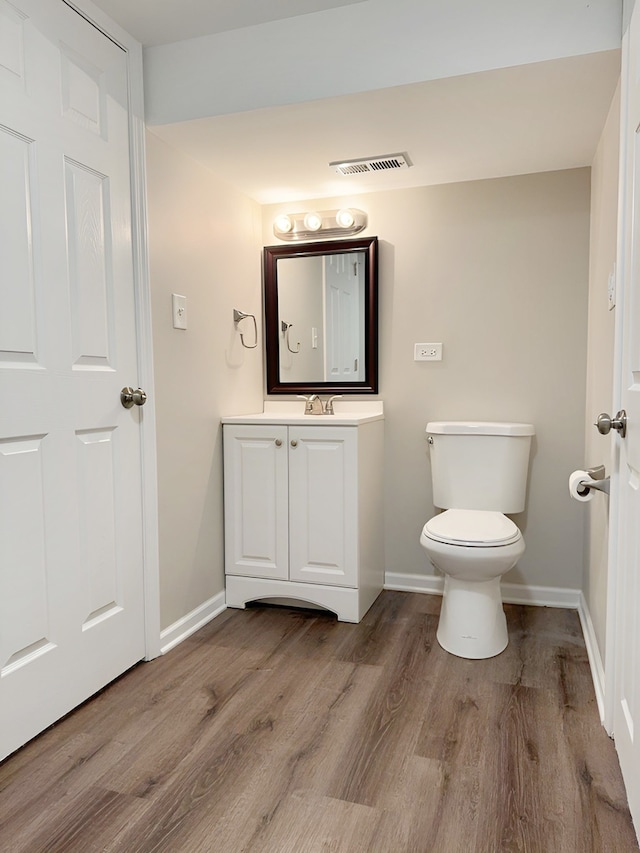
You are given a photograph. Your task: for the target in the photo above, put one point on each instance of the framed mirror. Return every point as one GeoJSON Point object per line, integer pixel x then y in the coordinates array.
{"type": "Point", "coordinates": [321, 317]}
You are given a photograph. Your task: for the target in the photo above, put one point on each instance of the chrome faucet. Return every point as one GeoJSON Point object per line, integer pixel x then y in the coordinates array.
{"type": "Point", "coordinates": [314, 405]}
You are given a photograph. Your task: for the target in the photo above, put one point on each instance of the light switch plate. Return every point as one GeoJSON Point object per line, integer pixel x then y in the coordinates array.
{"type": "Point", "coordinates": [179, 306]}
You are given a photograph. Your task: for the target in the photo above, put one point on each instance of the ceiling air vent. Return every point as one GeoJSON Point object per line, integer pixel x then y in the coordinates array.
{"type": "Point", "coordinates": [371, 164]}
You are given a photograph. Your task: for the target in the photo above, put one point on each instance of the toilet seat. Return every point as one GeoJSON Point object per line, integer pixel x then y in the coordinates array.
{"type": "Point", "coordinates": [472, 528]}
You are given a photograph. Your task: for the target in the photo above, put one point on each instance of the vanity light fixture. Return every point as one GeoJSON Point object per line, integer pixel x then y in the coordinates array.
{"type": "Point", "coordinates": [319, 224]}
{"type": "Point", "coordinates": [344, 218]}
{"type": "Point", "coordinates": [282, 224]}
{"type": "Point", "coordinates": [312, 221]}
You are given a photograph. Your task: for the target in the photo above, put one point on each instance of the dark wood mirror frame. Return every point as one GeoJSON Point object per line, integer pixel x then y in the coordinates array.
{"type": "Point", "coordinates": [271, 255]}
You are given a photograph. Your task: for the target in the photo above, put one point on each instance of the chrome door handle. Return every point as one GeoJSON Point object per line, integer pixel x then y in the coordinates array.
{"type": "Point", "coordinates": [606, 423]}
{"type": "Point", "coordinates": [130, 397]}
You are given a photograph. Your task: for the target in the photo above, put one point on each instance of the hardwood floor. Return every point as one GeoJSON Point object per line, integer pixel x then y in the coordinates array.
{"type": "Point", "coordinates": [284, 731]}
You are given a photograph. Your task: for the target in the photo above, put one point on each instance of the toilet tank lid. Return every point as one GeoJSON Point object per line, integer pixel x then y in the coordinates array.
{"type": "Point", "coordinates": [479, 428]}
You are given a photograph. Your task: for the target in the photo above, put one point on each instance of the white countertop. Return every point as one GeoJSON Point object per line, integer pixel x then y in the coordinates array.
{"type": "Point", "coordinates": [292, 412]}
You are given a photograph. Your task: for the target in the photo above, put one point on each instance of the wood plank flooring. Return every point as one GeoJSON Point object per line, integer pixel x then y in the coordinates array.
{"type": "Point", "coordinates": [284, 731]}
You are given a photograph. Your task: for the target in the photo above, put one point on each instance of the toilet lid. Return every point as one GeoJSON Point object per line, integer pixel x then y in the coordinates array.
{"type": "Point", "coordinates": [472, 527]}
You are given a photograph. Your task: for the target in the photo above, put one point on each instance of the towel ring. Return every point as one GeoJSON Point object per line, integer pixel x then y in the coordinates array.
{"type": "Point", "coordinates": [237, 317]}
{"type": "Point", "coordinates": [285, 328]}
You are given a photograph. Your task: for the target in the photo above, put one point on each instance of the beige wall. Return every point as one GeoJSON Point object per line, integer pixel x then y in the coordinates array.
{"type": "Point", "coordinates": [598, 449]}
{"type": "Point", "coordinates": [204, 242]}
{"type": "Point", "coordinates": [498, 271]}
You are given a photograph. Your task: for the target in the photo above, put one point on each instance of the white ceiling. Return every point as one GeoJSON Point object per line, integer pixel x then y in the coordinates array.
{"type": "Point", "coordinates": [532, 118]}
{"type": "Point", "coordinates": [154, 22]}
{"type": "Point", "coordinates": [542, 116]}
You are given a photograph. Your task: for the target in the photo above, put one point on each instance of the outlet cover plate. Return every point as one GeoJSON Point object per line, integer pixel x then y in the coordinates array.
{"type": "Point", "coordinates": [427, 352]}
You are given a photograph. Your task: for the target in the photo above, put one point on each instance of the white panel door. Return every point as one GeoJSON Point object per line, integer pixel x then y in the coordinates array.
{"type": "Point", "coordinates": [626, 724]}
{"type": "Point", "coordinates": [344, 317]}
{"type": "Point", "coordinates": [323, 500]}
{"type": "Point", "coordinates": [71, 580]}
{"type": "Point", "coordinates": [256, 501]}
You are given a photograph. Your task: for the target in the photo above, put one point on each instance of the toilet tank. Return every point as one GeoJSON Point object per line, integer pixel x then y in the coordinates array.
{"type": "Point", "coordinates": [479, 464]}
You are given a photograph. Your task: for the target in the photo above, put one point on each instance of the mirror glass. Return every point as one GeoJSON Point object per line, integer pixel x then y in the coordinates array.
{"type": "Point", "coordinates": [321, 317]}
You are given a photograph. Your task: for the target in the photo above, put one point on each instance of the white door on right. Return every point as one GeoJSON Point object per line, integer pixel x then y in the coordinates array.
{"type": "Point", "coordinates": [627, 623]}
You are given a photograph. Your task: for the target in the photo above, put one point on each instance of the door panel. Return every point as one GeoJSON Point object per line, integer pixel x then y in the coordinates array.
{"type": "Point", "coordinates": [71, 563]}
{"type": "Point", "coordinates": [90, 265]}
{"type": "Point", "coordinates": [256, 500]}
{"type": "Point", "coordinates": [23, 588]}
{"type": "Point", "coordinates": [323, 505]}
{"type": "Point", "coordinates": [96, 488]}
{"type": "Point", "coordinates": [17, 319]}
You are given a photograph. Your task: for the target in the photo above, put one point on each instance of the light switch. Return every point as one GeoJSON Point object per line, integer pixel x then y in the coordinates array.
{"type": "Point", "coordinates": [179, 305]}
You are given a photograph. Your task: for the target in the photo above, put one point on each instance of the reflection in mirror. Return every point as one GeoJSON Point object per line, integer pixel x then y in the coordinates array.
{"type": "Point", "coordinates": [321, 313]}
{"type": "Point", "coordinates": [321, 317]}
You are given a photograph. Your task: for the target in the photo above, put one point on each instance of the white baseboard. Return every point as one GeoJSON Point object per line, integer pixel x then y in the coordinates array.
{"type": "Point", "coordinates": [190, 623]}
{"type": "Point", "coordinates": [512, 593]}
{"type": "Point", "coordinates": [540, 596]}
{"type": "Point", "coordinates": [593, 653]}
{"type": "Point", "coordinates": [433, 584]}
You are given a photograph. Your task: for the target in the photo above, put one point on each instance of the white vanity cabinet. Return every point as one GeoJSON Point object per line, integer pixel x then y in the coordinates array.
{"type": "Point", "coordinates": [303, 513]}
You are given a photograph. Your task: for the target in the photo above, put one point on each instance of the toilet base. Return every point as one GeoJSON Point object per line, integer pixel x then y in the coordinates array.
{"type": "Point", "coordinates": [472, 622]}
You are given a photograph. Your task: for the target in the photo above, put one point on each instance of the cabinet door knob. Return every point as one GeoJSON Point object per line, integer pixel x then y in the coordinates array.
{"type": "Point", "coordinates": [294, 443]}
{"type": "Point", "coordinates": [278, 442]}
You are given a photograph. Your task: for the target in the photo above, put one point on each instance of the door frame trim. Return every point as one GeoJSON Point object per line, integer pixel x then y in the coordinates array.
{"type": "Point", "coordinates": [150, 548]}
{"type": "Point", "coordinates": [615, 534]}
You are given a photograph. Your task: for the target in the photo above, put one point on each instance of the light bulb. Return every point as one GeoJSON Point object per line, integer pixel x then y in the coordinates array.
{"type": "Point", "coordinates": [313, 221]}
{"type": "Point", "coordinates": [345, 218]}
{"type": "Point", "coordinates": [283, 224]}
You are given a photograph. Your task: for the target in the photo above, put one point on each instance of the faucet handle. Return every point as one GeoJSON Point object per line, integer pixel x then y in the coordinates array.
{"type": "Point", "coordinates": [308, 402]}
{"type": "Point", "coordinates": [328, 406]}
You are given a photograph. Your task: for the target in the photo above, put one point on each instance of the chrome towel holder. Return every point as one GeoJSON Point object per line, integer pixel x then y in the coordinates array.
{"type": "Point", "coordinates": [237, 317]}
{"type": "Point", "coordinates": [285, 330]}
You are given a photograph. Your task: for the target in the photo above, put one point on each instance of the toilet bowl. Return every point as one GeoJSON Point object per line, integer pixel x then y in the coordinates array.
{"type": "Point", "coordinates": [473, 549]}
{"type": "Point", "coordinates": [479, 473]}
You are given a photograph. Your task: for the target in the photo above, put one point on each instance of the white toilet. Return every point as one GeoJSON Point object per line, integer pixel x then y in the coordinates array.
{"type": "Point", "coordinates": [479, 471]}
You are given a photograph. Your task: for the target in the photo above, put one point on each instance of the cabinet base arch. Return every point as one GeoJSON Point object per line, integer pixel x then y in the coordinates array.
{"type": "Point", "coordinates": [348, 604]}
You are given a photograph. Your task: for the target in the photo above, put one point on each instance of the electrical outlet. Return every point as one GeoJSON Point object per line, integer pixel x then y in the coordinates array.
{"type": "Point", "coordinates": [427, 352]}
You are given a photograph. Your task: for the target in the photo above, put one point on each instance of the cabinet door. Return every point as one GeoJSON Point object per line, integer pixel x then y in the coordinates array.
{"type": "Point", "coordinates": [323, 512]}
{"type": "Point", "coordinates": [256, 501]}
